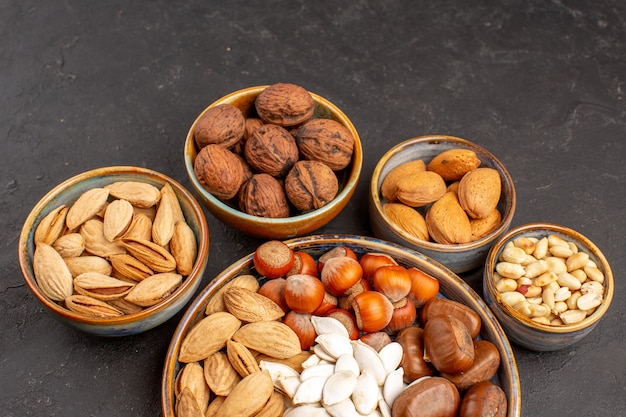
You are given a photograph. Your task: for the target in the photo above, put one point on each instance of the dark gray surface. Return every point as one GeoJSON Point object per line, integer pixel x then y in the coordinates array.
{"type": "Point", "coordinates": [541, 84]}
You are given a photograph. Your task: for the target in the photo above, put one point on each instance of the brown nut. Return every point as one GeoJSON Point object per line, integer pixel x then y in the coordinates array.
{"type": "Point", "coordinates": [413, 363]}
{"type": "Point", "coordinates": [219, 171]}
{"type": "Point", "coordinates": [263, 196]}
{"type": "Point", "coordinates": [389, 185]}
{"type": "Point", "coordinates": [311, 185]}
{"type": "Point", "coordinates": [454, 163]}
{"type": "Point", "coordinates": [327, 141]}
{"type": "Point", "coordinates": [444, 307]}
{"type": "Point", "coordinates": [428, 397]}
{"type": "Point", "coordinates": [485, 366]}
{"type": "Point", "coordinates": [221, 125]}
{"type": "Point", "coordinates": [448, 344]}
{"type": "Point", "coordinates": [420, 189]}
{"type": "Point", "coordinates": [447, 222]}
{"type": "Point", "coordinates": [479, 192]}
{"type": "Point", "coordinates": [284, 104]}
{"type": "Point", "coordinates": [484, 399]}
{"type": "Point", "coordinates": [271, 149]}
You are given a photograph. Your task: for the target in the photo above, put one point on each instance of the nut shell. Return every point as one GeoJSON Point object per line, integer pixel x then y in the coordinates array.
{"type": "Point", "coordinates": [271, 149]}
{"type": "Point", "coordinates": [447, 222]}
{"type": "Point", "coordinates": [454, 163]}
{"type": "Point", "coordinates": [264, 196]}
{"type": "Point", "coordinates": [284, 104]}
{"type": "Point", "coordinates": [479, 192]}
{"type": "Point", "coordinates": [327, 141]}
{"type": "Point", "coordinates": [219, 171]}
{"type": "Point", "coordinates": [311, 185]}
{"type": "Point", "coordinates": [222, 125]}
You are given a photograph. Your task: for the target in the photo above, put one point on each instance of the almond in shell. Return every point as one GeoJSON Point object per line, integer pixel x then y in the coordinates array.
{"type": "Point", "coordinates": [454, 163]}
{"type": "Point", "coordinates": [420, 189]}
{"type": "Point", "coordinates": [240, 357]}
{"type": "Point", "coordinates": [139, 194]}
{"type": "Point", "coordinates": [447, 222]}
{"type": "Point", "coordinates": [101, 287]}
{"type": "Point", "coordinates": [184, 247]}
{"type": "Point", "coordinates": [130, 267]}
{"type": "Point", "coordinates": [95, 242]}
{"type": "Point", "coordinates": [249, 396]}
{"type": "Point", "coordinates": [187, 405]}
{"type": "Point", "coordinates": [140, 227]}
{"type": "Point", "coordinates": [69, 245]}
{"type": "Point", "coordinates": [479, 192]}
{"type": "Point", "coordinates": [51, 273]}
{"type": "Point", "coordinates": [117, 217]}
{"type": "Point", "coordinates": [92, 307]}
{"type": "Point", "coordinates": [51, 227]}
{"type": "Point", "coordinates": [90, 263]}
{"type": "Point", "coordinates": [220, 374]}
{"type": "Point", "coordinates": [482, 227]}
{"type": "Point", "coordinates": [250, 306]}
{"type": "Point", "coordinates": [152, 255]}
{"type": "Point", "coordinates": [216, 303]}
{"type": "Point", "coordinates": [154, 289]}
{"type": "Point", "coordinates": [389, 185]}
{"type": "Point", "coordinates": [208, 336]}
{"type": "Point", "coordinates": [408, 219]}
{"type": "Point", "coordinates": [272, 338]}
{"type": "Point", "coordinates": [86, 206]}
{"type": "Point", "coordinates": [192, 377]}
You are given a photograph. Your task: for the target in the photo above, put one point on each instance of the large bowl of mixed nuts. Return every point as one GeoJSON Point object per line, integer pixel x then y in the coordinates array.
{"type": "Point", "coordinates": [115, 251]}
{"type": "Point", "coordinates": [273, 161]}
{"type": "Point", "coordinates": [338, 325]}
{"type": "Point", "coordinates": [548, 285]}
{"type": "Point", "coordinates": [444, 196]}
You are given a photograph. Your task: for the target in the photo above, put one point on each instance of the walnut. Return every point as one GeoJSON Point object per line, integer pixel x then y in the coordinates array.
{"type": "Point", "coordinates": [311, 185]}
{"type": "Point", "coordinates": [223, 124]}
{"type": "Point", "coordinates": [264, 196]}
{"type": "Point", "coordinates": [327, 141]}
{"type": "Point", "coordinates": [271, 149]}
{"type": "Point", "coordinates": [252, 123]}
{"type": "Point", "coordinates": [285, 104]}
{"type": "Point", "coordinates": [219, 171]}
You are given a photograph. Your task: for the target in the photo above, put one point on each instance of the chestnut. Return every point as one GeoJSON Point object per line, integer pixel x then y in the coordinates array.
{"type": "Point", "coordinates": [448, 344]}
{"type": "Point", "coordinates": [484, 399]}
{"type": "Point", "coordinates": [484, 367]}
{"type": "Point", "coordinates": [413, 363]}
{"type": "Point", "coordinates": [443, 306]}
{"type": "Point", "coordinates": [427, 397]}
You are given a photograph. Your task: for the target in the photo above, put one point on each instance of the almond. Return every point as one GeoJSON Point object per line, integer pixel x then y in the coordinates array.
{"type": "Point", "coordinates": [208, 336]}
{"type": "Point", "coordinates": [420, 189]}
{"type": "Point", "coordinates": [216, 303]}
{"type": "Point", "coordinates": [408, 219]}
{"type": "Point", "coordinates": [389, 185]}
{"type": "Point", "coordinates": [454, 163]}
{"type": "Point", "coordinates": [479, 192]}
{"type": "Point", "coordinates": [272, 338]}
{"type": "Point", "coordinates": [482, 227]}
{"type": "Point", "coordinates": [447, 222]}
{"type": "Point", "coordinates": [250, 306]}
{"type": "Point", "coordinates": [249, 396]}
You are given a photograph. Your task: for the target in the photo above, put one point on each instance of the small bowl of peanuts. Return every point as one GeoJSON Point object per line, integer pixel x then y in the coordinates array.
{"type": "Point", "coordinates": [547, 284]}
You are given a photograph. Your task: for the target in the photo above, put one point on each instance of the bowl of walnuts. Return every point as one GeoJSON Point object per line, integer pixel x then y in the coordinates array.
{"type": "Point", "coordinates": [273, 161]}
{"type": "Point", "coordinates": [443, 196]}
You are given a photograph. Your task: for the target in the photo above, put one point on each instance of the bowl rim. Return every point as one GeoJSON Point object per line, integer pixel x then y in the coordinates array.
{"type": "Point", "coordinates": [189, 318]}
{"type": "Point", "coordinates": [34, 217]}
{"type": "Point", "coordinates": [342, 196]}
{"type": "Point", "coordinates": [507, 216]}
{"type": "Point", "coordinates": [580, 240]}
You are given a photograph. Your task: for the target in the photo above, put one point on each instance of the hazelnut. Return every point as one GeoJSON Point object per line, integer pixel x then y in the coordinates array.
{"type": "Point", "coordinates": [263, 196]}
{"type": "Point", "coordinates": [285, 104]}
{"type": "Point", "coordinates": [311, 185]}
{"type": "Point", "coordinates": [223, 125]}
{"type": "Point", "coordinates": [326, 140]}
{"type": "Point", "coordinates": [271, 149]}
{"type": "Point", "coordinates": [219, 171]}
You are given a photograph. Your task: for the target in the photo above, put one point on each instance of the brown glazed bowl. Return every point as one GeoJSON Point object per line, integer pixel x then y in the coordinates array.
{"type": "Point", "coordinates": [297, 224]}
{"type": "Point", "coordinates": [66, 193]}
{"type": "Point", "coordinates": [458, 257]}
{"type": "Point", "coordinates": [531, 334]}
{"type": "Point", "coordinates": [451, 287]}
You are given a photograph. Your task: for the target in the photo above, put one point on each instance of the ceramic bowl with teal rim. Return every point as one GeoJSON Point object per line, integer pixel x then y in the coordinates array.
{"type": "Point", "coordinates": [451, 286]}
{"type": "Point", "coordinates": [299, 223]}
{"type": "Point", "coordinates": [457, 257]}
{"type": "Point", "coordinates": [66, 193]}
{"type": "Point", "coordinates": [540, 335]}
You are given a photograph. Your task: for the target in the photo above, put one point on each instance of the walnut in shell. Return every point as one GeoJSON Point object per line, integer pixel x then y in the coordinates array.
{"type": "Point", "coordinates": [285, 104]}
{"type": "Point", "coordinates": [311, 185]}
{"type": "Point", "coordinates": [327, 141]}
{"type": "Point", "coordinates": [263, 195]}
{"type": "Point", "coordinates": [219, 171]}
{"type": "Point", "coordinates": [223, 125]}
{"type": "Point", "coordinates": [271, 149]}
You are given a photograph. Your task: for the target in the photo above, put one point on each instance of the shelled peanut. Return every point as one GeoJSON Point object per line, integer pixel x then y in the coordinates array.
{"type": "Point", "coordinates": [339, 336]}
{"type": "Point", "coordinates": [115, 250]}
{"type": "Point", "coordinates": [549, 279]}
{"type": "Point", "coordinates": [450, 199]}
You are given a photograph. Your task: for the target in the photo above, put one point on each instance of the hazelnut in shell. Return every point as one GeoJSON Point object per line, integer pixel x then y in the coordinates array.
{"type": "Point", "coordinates": [311, 185]}
{"type": "Point", "coordinates": [285, 104]}
{"type": "Point", "coordinates": [222, 125]}
{"type": "Point", "coordinates": [219, 171]}
{"type": "Point", "coordinates": [327, 141]}
{"type": "Point", "coordinates": [271, 149]}
{"type": "Point", "coordinates": [263, 195]}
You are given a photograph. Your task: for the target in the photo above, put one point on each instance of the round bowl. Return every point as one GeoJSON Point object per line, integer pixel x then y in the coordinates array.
{"type": "Point", "coordinates": [528, 333]}
{"type": "Point", "coordinates": [297, 224]}
{"type": "Point", "coordinates": [458, 257]}
{"type": "Point", "coordinates": [451, 286]}
{"type": "Point", "coordinates": [150, 317]}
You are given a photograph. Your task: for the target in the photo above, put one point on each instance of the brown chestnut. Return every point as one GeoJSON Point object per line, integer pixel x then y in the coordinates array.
{"type": "Point", "coordinates": [448, 344]}
{"type": "Point", "coordinates": [485, 399]}
{"type": "Point", "coordinates": [484, 367]}
{"type": "Point", "coordinates": [443, 306]}
{"type": "Point", "coordinates": [413, 363]}
{"type": "Point", "coordinates": [427, 397]}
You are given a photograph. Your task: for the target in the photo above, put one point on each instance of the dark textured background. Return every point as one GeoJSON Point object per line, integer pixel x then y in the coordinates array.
{"type": "Point", "coordinates": [541, 84]}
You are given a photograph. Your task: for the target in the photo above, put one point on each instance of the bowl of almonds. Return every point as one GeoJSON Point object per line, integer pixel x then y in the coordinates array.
{"type": "Point", "coordinates": [115, 251]}
{"type": "Point", "coordinates": [444, 196]}
{"type": "Point", "coordinates": [548, 285]}
{"type": "Point", "coordinates": [338, 325]}
{"type": "Point", "coordinates": [273, 161]}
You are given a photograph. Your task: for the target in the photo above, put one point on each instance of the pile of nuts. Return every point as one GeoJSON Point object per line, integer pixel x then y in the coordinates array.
{"type": "Point", "coordinates": [549, 280]}
{"type": "Point", "coordinates": [276, 160]}
{"type": "Point", "coordinates": [115, 250]}
{"type": "Point", "coordinates": [450, 199]}
{"type": "Point", "coordinates": [340, 336]}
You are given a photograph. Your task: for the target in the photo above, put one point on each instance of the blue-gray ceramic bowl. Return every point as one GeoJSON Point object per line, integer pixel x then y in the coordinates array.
{"type": "Point", "coordinates": [520, 329]}
{"type": "Point", "coordinates": [150, 317]}
{"type": "Point", "coordinates": [459, 257]}
{"type": "Point", "coordinates": [451, 286]}
{"type": "Point", "coordinates": [298, 224]}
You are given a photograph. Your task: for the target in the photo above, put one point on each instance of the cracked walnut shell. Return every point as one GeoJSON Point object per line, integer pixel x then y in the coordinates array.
{"type": "Point", "coordinates": [311, 185]}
